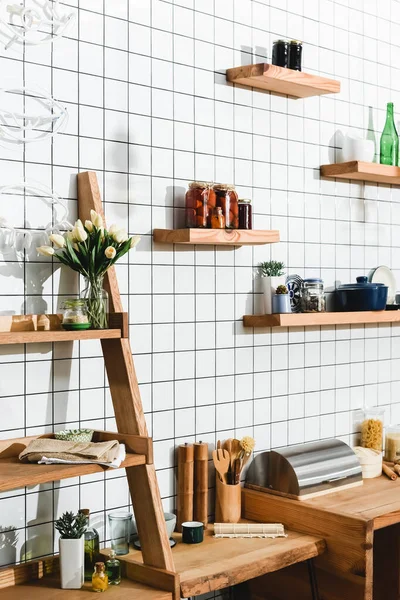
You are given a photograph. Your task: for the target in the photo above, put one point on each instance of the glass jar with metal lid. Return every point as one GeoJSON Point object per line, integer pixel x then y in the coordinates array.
{"type": "Point", "coordinates": [199, 204]}
{"type": "Point", "coordinates": [245, 214]}
{"type": "Point", "coordinates": [280, 53]}
{"type": "Point", "coordinates": [295, 52]}
{"type": "Point", "coordinates": [227, 199]}
{"type": "Point", "coordinates": [312, 295]}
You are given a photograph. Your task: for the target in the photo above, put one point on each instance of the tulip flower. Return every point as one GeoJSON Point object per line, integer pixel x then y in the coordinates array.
{"type": "Point", "coordinates": [45, 250]}
{"type": "Point", "coordinates": [70, 236]}
{"type": "Point", "coordinates": [110, 252]}
{"type": "Point", "coordinates": [89, 225]}
{"type": "Point", "coordinates": [58, 240]}
{"type": "Point", "coordinates": [135, 240]}
{"type": "Point", "coordinates": [120, 236]}
{"type": "Point", "coordinates": [113, 229]}
{"type": "Point", "coordinates": [96, 219]}
{"type": "Point", "coordinates": [79, 234]}
{"type": "Point", "coordinates": [78, 223]}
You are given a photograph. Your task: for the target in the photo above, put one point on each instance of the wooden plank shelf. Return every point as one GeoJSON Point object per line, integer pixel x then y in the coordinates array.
{"type": "Point", "coordinates": [362, 171]}
{"type": "Point", "coordinates": [48, 588]}
{"type": "Point", "coordinates": [219, 563]}
{"type": "Point", "coordinates": [34, 329]}
{"type": "Point", "coordinates": [216, 237]}
{"type": "Point", "coordinates": [325, 318]}
{"type": "Point", "coordinates": [16, 474]}
{"type": "Point", "coordinates": [296, 84]}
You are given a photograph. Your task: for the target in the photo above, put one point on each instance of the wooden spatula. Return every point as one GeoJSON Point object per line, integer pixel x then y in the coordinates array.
{"type": "Point", "coordinates": [221, 462]}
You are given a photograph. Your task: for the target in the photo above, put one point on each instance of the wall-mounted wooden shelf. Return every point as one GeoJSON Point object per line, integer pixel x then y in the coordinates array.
{"type": "Point", "coordinates": [216, 237]}
{"type": "Point", "coordinates": [326, 318]}
{"type": "Point", "coordinates": [362, 171]}
{"type": "Point", "coordinates": [282, 81]}
{"type": "Point", "coordinates": [34, 329]}
{"type": "Point", "coordinates": [15, 474]}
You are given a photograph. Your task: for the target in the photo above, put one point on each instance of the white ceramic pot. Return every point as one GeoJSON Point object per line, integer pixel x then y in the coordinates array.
{"type": "Point", "coordinates": [357, 148]}
{"type": "Point", "coordinates": [269, 285]}
{"type": "Point", "coordinates": [72, 553]}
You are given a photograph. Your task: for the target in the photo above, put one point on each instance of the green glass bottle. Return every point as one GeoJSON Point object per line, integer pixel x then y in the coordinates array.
{"type": "Point", "coordinates": [92, 547]}
{"type": "Point", "coordinates": [389, 140]}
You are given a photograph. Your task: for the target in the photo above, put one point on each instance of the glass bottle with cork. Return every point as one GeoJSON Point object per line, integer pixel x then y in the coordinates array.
{"type": "Point", "coordinates": [389, 146]}
{"type": "Point", "coordinates": [92, 547]}
{"type": "Point", "coordinates": [113, 567]}
{"type": "Point", "coordinates": [99, 578]}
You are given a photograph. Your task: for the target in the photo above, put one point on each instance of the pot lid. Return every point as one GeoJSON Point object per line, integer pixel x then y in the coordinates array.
{"type": "Point", "coordinates": [362, 283]}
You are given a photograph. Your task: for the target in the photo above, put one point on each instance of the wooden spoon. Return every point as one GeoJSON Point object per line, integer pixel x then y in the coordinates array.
{"type": "Point", "coordinates": [235, 452]}
{"type": "Point", "coordinates": [221, 462]}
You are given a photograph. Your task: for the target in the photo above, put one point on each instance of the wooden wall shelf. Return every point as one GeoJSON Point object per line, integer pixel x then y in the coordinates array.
{"type": "Point", "coordinates": [216, 237]}
{"type": "Point", "coordinates": [16, 474]}
{"type": "Point", "coordinates": [362, 171]}
{"type": "Point", "coordinates": [34, 329]}
{"type": "Point", "coordinates": [282, 81]}
{"type": "Point", "coordinates": [326, 318]}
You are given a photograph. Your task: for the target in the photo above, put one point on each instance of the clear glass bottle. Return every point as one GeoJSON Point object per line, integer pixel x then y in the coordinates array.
{"type": "Point", "coordinates": [113, 569]}
{"type": "Point", "coordinates": [389, 140]}
{"type": "Point", "coordinates": [312, 295]}
{"type": "Point", "coordinates": [92, 547]}
{"type": "Point", "coordinates": [99, 578]}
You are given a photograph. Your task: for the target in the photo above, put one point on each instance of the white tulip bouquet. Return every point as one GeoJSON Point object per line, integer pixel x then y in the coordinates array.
{"type": "Point", "coordinates": [91, 250]}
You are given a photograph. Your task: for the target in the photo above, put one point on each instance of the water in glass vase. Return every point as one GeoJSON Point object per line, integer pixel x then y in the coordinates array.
{"type": "Point", "coordinates": [97, 302]}
{"type": "Point", "coordinates": [389, 140]}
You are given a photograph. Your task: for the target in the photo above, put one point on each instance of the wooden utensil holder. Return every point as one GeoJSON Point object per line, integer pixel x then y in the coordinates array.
{"type": "Point", "coordinates": [227, 502]}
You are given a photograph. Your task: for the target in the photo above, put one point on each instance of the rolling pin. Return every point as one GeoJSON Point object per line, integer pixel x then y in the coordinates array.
{"type": "Point", "coordinates": [201, 482]}
{"type": "Point", "coordinates": [185, 485]}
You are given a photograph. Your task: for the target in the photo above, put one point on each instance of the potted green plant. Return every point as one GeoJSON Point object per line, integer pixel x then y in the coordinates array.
{"type": "Point", "coordinates": [71, 545]}
{"type": "Point", "coordinates": [272, 275]}
{"type": "Point", "coordinates": [91, 250]}
{"type": "Point", "coordinates": [281, 300]}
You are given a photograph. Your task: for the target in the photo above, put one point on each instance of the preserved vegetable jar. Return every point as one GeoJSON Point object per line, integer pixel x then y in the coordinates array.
{"type": "Point", "coordinates": [227, 199]}
{"type": "Point", "coordinates": [245, 214]}
{"type": "Point", "coordinates": [312, 295]}
{"type": "Point", "coordinates": [199, 204]}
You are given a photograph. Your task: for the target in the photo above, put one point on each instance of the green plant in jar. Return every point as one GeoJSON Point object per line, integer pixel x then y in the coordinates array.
{"type": "Point", "coordinates": [281, 289]}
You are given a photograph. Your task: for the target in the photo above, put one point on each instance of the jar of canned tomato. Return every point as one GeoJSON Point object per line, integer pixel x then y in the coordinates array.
{"type": "Point", "coordinates": [200, 201]}
{"type": "Point", "coordinates": [227, 199]}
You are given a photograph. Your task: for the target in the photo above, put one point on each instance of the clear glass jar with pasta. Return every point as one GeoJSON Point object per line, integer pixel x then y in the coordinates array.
{"type": "Point", "coordinates": [372, 428]}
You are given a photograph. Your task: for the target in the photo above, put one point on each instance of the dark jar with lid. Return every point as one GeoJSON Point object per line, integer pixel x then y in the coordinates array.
{"type": "Point", "coordinates": [200, 202]}
{"type": "Point", "coordinates": [227, 199]}
{"type": "Point", "coordinates": [245, 214]}
{"type": "Point", "coordinates": [280, 53]}
{"type": "Point", "coordinates": [295, 52]}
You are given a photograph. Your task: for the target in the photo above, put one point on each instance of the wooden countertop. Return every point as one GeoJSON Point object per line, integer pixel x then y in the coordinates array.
{"type": "Point", "coordinates": [218, 563]}
{"type": "Point", "coordinates": [377, 500]}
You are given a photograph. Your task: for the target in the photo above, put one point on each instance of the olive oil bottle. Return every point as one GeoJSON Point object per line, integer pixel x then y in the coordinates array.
{"type": "Point", "coordinates": [92, 547]}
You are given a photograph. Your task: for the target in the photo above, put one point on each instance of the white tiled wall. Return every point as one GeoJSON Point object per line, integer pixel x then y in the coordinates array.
{"type": "Point", "coordinates": [149, 110]}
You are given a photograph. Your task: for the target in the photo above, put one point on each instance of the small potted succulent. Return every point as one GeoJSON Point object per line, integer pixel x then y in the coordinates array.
{"type": "Point", "coordinates": [72, 549]}
{"type": "Point", "coordinates": [272, 275]}
{"type": "Point", "coordinates": [281, 300]}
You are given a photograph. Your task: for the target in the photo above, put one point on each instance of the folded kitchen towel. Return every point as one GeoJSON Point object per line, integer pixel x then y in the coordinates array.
{"type": "Point", "coordinates": [115, 464]}
{"type": "Point", "coordinates": [89, 452]}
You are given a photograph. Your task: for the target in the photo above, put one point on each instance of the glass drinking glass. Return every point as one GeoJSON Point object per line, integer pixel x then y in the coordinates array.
{"type": "Point", "coordinates": [120, 530]}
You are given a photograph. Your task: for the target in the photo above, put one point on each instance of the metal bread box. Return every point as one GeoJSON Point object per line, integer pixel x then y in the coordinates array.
{"type": "Point", "coordinates": [306, 470]}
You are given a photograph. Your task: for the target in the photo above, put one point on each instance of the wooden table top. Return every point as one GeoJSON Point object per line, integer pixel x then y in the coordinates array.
{"type": "Point", "coordinates": [218, 563]}
{"type": "Point", "coordinates": [377, 500]}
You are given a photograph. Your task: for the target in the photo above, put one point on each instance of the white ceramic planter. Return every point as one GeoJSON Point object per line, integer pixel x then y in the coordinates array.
{"type": "Point", "coordinates": [269, 285]}
{"type": "Point", "coordinates": [72, 563]}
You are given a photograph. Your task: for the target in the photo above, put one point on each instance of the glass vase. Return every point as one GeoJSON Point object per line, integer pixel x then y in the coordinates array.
{"type": "Point", "coordinates": [97, 302]}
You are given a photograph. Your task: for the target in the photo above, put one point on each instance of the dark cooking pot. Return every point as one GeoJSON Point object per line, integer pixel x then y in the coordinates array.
{"type": "Point", "coordinates": [361, 296]}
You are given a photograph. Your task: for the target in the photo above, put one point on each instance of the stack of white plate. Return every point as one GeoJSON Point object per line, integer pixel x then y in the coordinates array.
{"type": "Point", "coordinates": [370, 461]}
